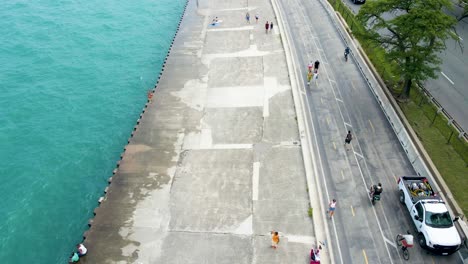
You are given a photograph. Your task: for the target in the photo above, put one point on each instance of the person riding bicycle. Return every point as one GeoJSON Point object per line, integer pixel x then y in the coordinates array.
{"type": "Point", "coordinates": [347, 51]}
{"type": "Point", "coordinates": [407, 241]}
{"type": "Point", "coordinates": [376, 190]}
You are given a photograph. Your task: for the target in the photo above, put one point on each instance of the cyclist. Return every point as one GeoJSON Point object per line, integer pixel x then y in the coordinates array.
{"type": "Point", "coordinates": [376, 190]}
{"type": "Point", "coordinates": [346, 52]}
{"type": "Point", "coordinates": [407, 241]}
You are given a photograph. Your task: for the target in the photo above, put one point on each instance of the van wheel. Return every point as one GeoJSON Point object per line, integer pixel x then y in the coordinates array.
{"type": "Point", "coordinates": [402, 197]}
{"type": "Point", "coordinates": [422, 240]}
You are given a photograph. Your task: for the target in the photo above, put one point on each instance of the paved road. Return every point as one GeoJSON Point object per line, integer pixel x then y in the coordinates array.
{"type": "Point", "coordinates": [341, 101]}
{"type": "Point", "coordinates": [450, 87]}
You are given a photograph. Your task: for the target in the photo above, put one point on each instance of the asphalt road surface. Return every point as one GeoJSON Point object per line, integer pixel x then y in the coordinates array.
{"type": "Point", "coordinates": [340, 101]}
{"type": "Point", "coordinates": [449, 88]}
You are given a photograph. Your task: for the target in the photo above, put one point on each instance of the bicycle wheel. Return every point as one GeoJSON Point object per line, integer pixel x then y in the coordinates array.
{"type": "Point", "coordinates": [405, 254]}
{"type": "Point", "coordinates": [398, 240]}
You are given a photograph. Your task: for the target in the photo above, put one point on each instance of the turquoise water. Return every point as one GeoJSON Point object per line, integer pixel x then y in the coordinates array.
{"type": "Point", "coordinates": [73, 80]}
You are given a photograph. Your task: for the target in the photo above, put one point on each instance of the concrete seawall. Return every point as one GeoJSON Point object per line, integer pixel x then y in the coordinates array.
{"type": "Point", "coordinates": [214, 163]}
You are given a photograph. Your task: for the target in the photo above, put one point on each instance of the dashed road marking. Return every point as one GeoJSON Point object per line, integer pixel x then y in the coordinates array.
{"type": "Point", "coordinates": [446, 77]}
{"type": "Point", "coordinates": [352, 210]}
{"type": "Point", "coordinates": [372, 126]}
{"type": "Point", "coordinates": [365, 256]}
{"type": "Point", "coordinates": [334, 145]}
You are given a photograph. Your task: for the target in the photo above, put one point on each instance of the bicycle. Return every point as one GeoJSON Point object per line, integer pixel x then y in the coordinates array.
{"type": "Point", "coordinates": [405, 244]}
{"type": "Point", "coordinates": [346, 53]}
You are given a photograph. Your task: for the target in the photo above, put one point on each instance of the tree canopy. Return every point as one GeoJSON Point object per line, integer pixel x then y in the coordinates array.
{"type": "Point", "coordinates": [413, 33]}
{"type": "Point", "coordinates": [464, 15]}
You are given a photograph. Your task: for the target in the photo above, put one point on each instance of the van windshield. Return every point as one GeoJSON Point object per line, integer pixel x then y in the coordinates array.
{"type": "Point", "coordinates": [438, 220]}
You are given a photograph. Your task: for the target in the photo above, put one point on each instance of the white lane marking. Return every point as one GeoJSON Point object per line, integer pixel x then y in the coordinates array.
{"type": "Point", "coordinates": [446, 77]}
{"type": "Point", "coordinates": [390, 242]}
{"type": "Point", "coordinates": [460, 255]}
{"type": "Point", "coordinates": [339, 100]}
{"type": "Point", "coordinates": [255, 180]}
{"type": "Point", "coordinates": [347, 124]}
{"type": "Point", "coordinates": [359, 155]}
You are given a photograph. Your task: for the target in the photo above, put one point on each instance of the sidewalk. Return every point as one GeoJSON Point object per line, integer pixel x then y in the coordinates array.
{"type": "Point", "coordinates": [215, 163]}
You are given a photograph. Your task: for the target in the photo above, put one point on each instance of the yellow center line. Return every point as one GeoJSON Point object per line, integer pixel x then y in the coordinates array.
{"type": "Point", "coordinates": [334, 145]}
{"type": "Point", "coordinates": [365, 256]}
{"type": "Point", "coordinates": [432, 258]}
{"type": "Point", "coordinates": [352, 210]}
{"type": "Point", "coordinates": [372, 126]}
{"type": "Point", "coordinates": [396, 179]}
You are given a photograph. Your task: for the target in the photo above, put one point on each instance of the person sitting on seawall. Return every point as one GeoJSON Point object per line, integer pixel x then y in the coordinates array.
{"type": "Point", "coordinates": [74, 258]}
{"type": "Point", "coordinates": [82, 250]}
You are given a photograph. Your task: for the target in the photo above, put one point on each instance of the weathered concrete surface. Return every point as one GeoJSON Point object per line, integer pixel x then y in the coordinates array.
{"type": "Point", "coordinates": [215, 163]}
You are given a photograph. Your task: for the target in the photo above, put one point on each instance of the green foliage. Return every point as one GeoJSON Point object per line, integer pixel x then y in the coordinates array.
{"type": "Point", "coordinates": [464, 15]}
{"type": "Point", "coordinates": [310, 212]}
{"type": "Point", "coordinates": [448, 160]}
{"type": "Point", "coordinates": [412, 37]}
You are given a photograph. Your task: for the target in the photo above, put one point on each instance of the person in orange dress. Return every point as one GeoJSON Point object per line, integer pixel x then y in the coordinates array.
{"type": "Point", "coordinates": [274, 239]}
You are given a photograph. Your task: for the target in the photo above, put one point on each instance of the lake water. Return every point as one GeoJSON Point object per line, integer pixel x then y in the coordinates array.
{"type": "Point", "coordinates": [74, 76]}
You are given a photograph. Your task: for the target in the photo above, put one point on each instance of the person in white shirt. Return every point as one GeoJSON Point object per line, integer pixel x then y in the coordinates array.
{"type": "Point", "coordinates": [82, 250]}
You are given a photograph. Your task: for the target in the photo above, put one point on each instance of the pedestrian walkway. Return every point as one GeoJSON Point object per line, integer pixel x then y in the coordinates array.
{"type": "Point", "coordinates": [215, 164]}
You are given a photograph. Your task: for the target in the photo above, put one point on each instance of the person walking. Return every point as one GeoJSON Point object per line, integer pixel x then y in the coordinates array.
{"type": "Point", "coordinates": [247, 17]}
{"type": "Point", "coordinates": [309, 77]}
{"type": "Point", "coordinates": [271, 26]}
{"type": "Point", "coordinates": [274, 239]}
{"type": "Point", "coordinates": [316, 65]}
{"type": "Point", "coordinates": [331, 208]}
{"type": "Point", "coordinates": [256, 18]}
{"type": "Point", "coordinates": [266, 27]}
{"type": "Point", "coordinates": [315, 77]}
{"type": "Point", "coordinates": [348, 139]}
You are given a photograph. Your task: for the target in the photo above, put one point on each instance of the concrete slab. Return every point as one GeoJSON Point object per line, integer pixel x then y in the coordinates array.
{"type": "Point", "coordinates": [214, 164]}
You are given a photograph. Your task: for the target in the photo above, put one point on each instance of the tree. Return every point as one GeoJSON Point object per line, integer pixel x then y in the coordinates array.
{"type": "Point", "coordinates": [464, 15]}
{"type": "Point", "coordinates": [413, 36]}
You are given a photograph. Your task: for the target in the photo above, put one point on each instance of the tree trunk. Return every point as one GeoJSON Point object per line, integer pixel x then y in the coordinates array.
{"type": "Point", "coordinates": [406, 88]}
